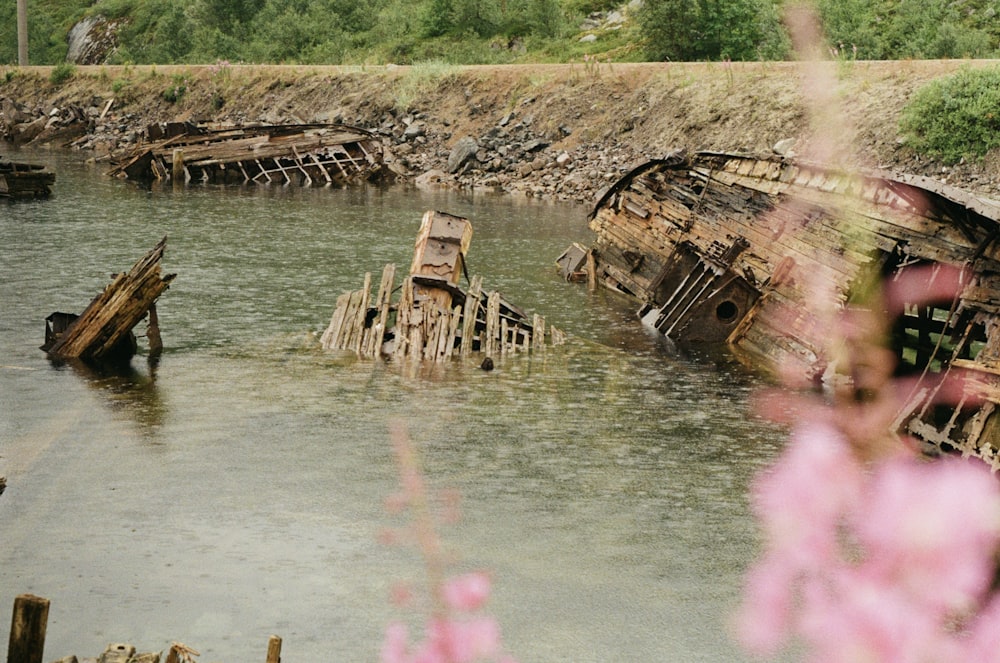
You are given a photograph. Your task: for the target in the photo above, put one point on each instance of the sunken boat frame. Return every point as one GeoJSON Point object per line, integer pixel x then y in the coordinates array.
{"type": "Point", "coordinates": [730, 248]}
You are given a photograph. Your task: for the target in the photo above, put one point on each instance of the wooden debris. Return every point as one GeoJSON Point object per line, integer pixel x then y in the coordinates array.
{"type": "Point", "coordinates": [719, 247]}
{"type": "Point", "coordinates": [434, 318]}
{"type": "Point", "coordinates": [27, 630]}
{"type": "Point", "coordinates": [103, 332]}
{"type": "Point", "coordinates": [181, 653]}
{"type": "Point", "coordinates": [572, 263]}
{"type": "Point", "coordinates": [300, 154]}
{"type": "Point", "coordinates": [24, 180]}
{"type": "Point", "coordinates": [273, 649]}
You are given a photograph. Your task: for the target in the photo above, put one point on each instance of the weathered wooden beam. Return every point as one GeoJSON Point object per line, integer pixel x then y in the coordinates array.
{"type": "Point", "coordinates": [27, 629]}
{"type": "Point", "coordinates": [111, 316]}
{"type": "Point", "coordinates": [273, 650]}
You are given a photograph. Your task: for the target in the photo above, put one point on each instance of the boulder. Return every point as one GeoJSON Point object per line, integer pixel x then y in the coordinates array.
{"type": "Point", "coordinates": [91, 40]}
{"type": "Point", "coordinates": [462, 153]}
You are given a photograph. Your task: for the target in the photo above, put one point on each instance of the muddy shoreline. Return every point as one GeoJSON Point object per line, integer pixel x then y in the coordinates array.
{"type": "Point", "coordinates": [558, 132]}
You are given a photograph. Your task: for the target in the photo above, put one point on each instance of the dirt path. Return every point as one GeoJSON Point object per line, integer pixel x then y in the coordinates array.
{"type": "Point", "coordinates": [561, 131]}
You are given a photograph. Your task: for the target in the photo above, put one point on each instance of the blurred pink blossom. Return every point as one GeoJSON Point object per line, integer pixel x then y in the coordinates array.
{"type": "Point", "coordinates": [881, 563]}
{"type": "Point", "coordinates": [466, 592]}
{"type": "Point", "coordinates": [451, 635]}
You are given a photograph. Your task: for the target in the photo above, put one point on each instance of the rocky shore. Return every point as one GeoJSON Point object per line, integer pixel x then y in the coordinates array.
{"type": "Point", "coordinates": [558, 132]}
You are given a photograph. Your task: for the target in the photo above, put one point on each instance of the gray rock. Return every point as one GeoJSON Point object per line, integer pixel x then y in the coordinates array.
{"type": "Point", "coordinates": [414, 130]}
{"type": "Point", "coordinates": [432, 179]}
{"type": "Point", "coordinates": [784, 147]}
{"type": "Point", "coordinates": [462, 153]}
{"type": "Point", "coordinates": [535, 145]}
{"type": "Point", "coordinates": [91, 40]}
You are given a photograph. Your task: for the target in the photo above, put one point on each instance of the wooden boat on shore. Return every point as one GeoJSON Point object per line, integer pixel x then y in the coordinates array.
{"type": "Point", "coordinates": [25, 180]}
{"type": "Point", "coordinates": [299, 154]}
{"type": "Point", "coordinates": [732, 248]}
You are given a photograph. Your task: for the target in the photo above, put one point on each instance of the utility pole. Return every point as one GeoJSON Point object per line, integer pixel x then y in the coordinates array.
{"type": "Point", "coordinates": [22, 33]}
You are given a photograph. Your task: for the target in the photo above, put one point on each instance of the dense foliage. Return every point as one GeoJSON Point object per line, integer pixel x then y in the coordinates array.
{"type": "Point", "coordinates": [955, 117]}
{"type": "Point", "coordinates": [497, 31]}
{"type": "Point", "coordinates": [685, 30]}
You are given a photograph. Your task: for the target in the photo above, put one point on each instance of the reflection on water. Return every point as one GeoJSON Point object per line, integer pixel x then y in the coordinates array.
{"type": "Point", "coordinates": [235, 489]}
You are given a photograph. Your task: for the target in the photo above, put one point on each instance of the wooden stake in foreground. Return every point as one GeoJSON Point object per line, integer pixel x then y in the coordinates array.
{"type": "Point", "coordinates": [27, 629]}
{"type": "Point", "coordinates": [274, 649]}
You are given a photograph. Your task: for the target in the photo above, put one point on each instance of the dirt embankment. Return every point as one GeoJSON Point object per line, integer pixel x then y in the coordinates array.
{"type": "Point", "coordinates": [553, 131]}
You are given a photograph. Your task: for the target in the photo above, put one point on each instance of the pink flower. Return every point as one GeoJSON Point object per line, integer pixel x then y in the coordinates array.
{"type": "Point", "coordinates": [764, 618]}
{"type": "Point", "coordinates": [395, 644]}
{"type": "Point", "coordinates": [466, 592]}
{"type": "Point", "coordinates": [464, 641]}
{"type": "Point", "coordinates": [805, 496]}
{"type": "Point", "coordinates": [932, 529]}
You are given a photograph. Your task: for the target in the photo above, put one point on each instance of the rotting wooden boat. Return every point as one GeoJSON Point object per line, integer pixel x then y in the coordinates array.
{"type": "Point", "coordinates": [722, 247]}
{"type": "Point", "coordinates": [25, 180]}
{"type": "Point", "coordinates": [103, 332]}
{"type": "Point", "coordinates": [434, 318]}
{"type": "Point", "coordinates": [297, 154]}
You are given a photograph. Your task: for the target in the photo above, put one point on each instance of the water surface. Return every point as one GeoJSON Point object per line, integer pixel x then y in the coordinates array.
{"type": "Point", "coordinates": [237, 488]}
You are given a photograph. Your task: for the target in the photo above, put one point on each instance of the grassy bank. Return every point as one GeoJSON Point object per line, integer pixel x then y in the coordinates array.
{"type": "Point", "coordinates": [638, 110]}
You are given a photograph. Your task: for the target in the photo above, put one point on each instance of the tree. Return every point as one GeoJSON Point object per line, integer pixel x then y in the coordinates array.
{"type": "Point", "coordinates": [711, 30]}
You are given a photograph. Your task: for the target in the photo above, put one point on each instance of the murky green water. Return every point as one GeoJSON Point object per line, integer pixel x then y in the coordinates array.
{"type": "Point", "coordinates": [237, 490]}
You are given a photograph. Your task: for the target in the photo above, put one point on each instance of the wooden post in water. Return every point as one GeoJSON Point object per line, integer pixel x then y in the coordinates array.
{"type": "Point", "coordinates": [591, 271]}
{"type": "Point", "coordinates": [274, 649]}
{"type": "Point", "coordinates": [179, 173]}
{"type": "Point", "coordinates": [27, 629]}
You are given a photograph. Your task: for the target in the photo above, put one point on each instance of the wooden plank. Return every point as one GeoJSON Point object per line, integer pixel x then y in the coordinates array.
{"type": "Point", "coordinates": [456, 319]}
{"type": "Point", "coordinates": [383, 303]}
{"type": "Point", "coordinates": [329, 339]}
{"type": "Point", "coordinates": [273, 650]}
{"type": "Point", "coordinates": [538, 332]}
{"type": "Point", "coordinates": [362, 313]}
{"type": "Point", "coordinates": [471, 312]}
{"type": "Point", "coordinates": [404, 312]}
{"type": "Point", "coordinates": [27, 629]}
{"type": "Point", "coordinates": [350, 321]}
{"type": "Point", "coordinates": [492, 324]}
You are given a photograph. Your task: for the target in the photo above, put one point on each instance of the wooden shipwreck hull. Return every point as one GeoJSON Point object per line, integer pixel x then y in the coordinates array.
{"type": "Point", "coordinates": [434, 318]}
{"type": "Point", "coordinates": [25, 180]}
{"type": "Point", "coordinates": [301, 155]}
{"type": "Point", "coordinates": [732, 248]}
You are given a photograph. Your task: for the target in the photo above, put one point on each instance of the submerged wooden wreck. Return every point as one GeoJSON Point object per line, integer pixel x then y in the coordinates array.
{"type": "Point", "coordinates": [728, 248]}
{"type": "Point", "coordinates": [21, 181]}
{"type": "Point", "coordinates": [103, 332]}
{"type": "Point", "coordinates": [435, 318]}
{"type": "Point", "coordinates": [298, 154]}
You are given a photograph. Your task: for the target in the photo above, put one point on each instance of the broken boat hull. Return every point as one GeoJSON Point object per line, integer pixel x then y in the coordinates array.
{"type": "Point", "coordinates": [25, 181]}
{"type": "Point", "coordinates": [732, 248]}
{"type": "Point", "coordinates": [300, 155]}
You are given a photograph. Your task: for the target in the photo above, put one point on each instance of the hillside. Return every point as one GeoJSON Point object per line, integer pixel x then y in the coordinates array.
{"type": "Point", "coordinates": [560, 131]}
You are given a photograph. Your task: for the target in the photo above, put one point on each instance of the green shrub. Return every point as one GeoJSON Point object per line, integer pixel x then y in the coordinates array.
{"type": "Point", "coordinates": [174, 93]}
{"type": "Point", "coordinates": [955, 117]}
{"type": "Point", "coordinates": [61, 73]}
